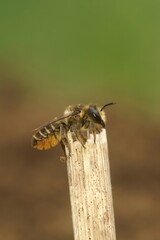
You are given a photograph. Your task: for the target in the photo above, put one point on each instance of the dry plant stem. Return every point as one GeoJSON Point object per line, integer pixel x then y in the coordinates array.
{"type": "Point", "coordinates": [90, 189]}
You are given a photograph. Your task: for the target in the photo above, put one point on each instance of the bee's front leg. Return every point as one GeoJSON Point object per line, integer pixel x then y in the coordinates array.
{"type": "Point", "coordinates": [92, 130]}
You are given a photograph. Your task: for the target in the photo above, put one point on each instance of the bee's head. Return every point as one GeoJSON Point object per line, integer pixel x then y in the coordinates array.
{"type": "Point", "coordinates": [95, 115]}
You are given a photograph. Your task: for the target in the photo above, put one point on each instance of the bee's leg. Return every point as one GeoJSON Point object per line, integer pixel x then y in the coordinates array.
{"type": "Point", "coordinates": [63, 158]}
{"type": "Point", "coordinates": [94, 135]}
{"type": "Point", "coordinates": [64, 139]}
{"type": "Point", "coordinates": [95, 129]}
{"type": "Point", "coordinates": [66, 144]}
{"type": "Point", "coordinates": [92, 130]}
{"type": "Point", "coordinates": [78, 135]}
{"type": "Point", "coordinates": [98, 128]}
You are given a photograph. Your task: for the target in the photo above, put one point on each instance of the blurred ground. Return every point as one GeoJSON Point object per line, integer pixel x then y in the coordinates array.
{"type": "Point", "coordinates": [34, 202]}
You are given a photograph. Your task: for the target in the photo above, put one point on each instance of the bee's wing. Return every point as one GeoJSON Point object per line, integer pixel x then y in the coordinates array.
{"type": "Point", "coordinates": [47, 136]}
{"type": "Point", "coordinates": [57, 120]}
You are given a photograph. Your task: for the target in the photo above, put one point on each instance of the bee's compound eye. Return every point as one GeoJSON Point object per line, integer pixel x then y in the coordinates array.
{"type": "Point", "coordinates": [95, 116]}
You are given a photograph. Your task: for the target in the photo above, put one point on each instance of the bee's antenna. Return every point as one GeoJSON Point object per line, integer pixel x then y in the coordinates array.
{"type": "Point", "coordinates": [107, 104]}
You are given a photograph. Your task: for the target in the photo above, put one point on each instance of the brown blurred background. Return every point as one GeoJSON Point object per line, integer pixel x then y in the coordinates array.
{"type": "Point", "coordinates": [59, 53]}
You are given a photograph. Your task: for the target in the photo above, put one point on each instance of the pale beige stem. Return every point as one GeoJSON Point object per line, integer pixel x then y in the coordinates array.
{"type": "Point", "coordinates": [90, 189]}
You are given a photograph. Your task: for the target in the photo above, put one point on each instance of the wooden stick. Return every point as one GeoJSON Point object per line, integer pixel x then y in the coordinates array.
{"type": "Point", "coordinates": [90, 189]}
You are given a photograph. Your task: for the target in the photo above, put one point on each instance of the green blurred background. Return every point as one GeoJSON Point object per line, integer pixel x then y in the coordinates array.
{"type": "Point", "coordinates": [55, 53]}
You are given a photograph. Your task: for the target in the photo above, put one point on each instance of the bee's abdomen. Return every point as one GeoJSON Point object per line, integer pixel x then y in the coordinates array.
{"type": "Point", "coordinates": [45, 138]}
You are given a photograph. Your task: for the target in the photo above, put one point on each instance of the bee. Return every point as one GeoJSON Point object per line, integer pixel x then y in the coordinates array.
{"type": "Point", "coordinates": [80, 120]}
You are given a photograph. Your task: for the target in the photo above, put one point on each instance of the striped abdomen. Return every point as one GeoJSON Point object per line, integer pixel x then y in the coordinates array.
{"type": "Point", "coordinates": [46, 137]}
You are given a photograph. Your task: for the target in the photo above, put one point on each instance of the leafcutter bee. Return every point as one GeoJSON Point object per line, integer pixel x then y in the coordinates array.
{"type": "Point", "coordinates": [78, 119]}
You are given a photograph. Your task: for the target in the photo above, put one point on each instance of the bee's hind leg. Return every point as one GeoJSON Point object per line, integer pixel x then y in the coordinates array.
{"type": "Point", "coordinates": [64, 157]}
{"type": "Point", "coordinates": [64, 142]}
